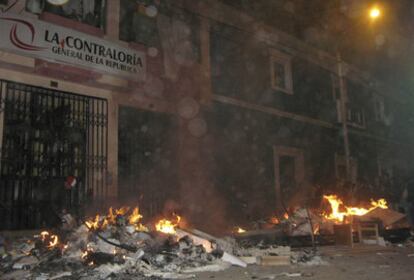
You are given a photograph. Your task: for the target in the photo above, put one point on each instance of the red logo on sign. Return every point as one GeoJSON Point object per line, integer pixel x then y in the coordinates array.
{"type": "Point", "coordinates": [14, 39]}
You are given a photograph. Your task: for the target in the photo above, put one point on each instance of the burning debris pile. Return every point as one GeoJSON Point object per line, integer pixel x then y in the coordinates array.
{"type": "Point", "coordinates": [120, 246]}
{"type": "Point", "coordinates": [306, 227]}
{"type": "Point", "coordinates": [116, 244]}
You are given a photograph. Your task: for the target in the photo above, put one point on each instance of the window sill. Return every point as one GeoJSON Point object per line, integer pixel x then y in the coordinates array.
{"type": "Point", "coordinates": [354, 125]}
{"type": "Point", "coordinates": [286, 91]}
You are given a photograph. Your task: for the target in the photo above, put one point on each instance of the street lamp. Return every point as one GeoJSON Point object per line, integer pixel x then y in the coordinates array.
{"type": "Point", "coordinates": [374, 13]}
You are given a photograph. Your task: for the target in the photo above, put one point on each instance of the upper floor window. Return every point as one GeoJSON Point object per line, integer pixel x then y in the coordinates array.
{"type": "Point", "coordinates": [137, 23]}
{"type": "Point", "coordinates": [281, 72]}
{"type": "Point", "coordinates": [156, 23]}
{"type": "Point", "coordinates": [356, 116]}
{"type": "Point", "coordinates": [91, 12]}
{"type": "Point", "coordinates": [355, 113]}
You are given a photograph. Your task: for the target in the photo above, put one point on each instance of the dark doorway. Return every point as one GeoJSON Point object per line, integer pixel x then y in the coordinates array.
{"type": "Point", "coordinates": [287, 177]}
{"type": "Point", "coordinates": [147, 161]}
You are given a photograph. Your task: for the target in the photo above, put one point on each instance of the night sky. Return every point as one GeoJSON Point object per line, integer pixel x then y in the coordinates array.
{"type": "Point", "coordinates": [384, 47]}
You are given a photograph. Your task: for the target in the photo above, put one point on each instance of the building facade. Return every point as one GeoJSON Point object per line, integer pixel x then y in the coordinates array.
{"type": "Point", "coordinates": [190, 106]}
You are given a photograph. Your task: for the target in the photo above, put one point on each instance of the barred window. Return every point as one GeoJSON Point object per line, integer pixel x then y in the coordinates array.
{"type": "Point", "coordinates": [91, 12]}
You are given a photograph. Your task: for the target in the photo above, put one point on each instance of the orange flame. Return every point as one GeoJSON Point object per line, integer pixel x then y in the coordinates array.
{"type": "Point", "coordinates": [121, 211]}
{"type": "Point", "coordinates": [340, 211]}
{"type": "Point", "coordinates": [93, 224]}
{"type": "Point", "coordinates": [51, 240]}
{"type": "Point", "coordinates": [43, 235]}
{"type": "Point", "coordinates": [134, 220]}
{"type": "Point", "coordinates": [54, 240]}
{"type": "Point", "coordinates": [167, 226]}
{"type": "Point", "coordinates": [86, 252]}
{"type": "Point", "coordinates": [274, 220]}
{"type": "Point", "coordinates": [110, 219]}
{"type": "Point", "coordinates": [135, 216]}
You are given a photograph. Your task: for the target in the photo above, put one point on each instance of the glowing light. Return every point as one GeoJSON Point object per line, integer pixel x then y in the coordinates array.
{"type": "Point", "coordinates": [43, 235]}
{"type": "Point", "coordinates": [167, 226]}
{"type": "Point", "coordinates": [50, 240]}
{"type": "Point", "coordinates": [380, 203]}
{"type": "Point", "coordinates": [54, 240]}
{"type": "Point", "coordinates": [274, 220]}
{"type": "Point", "coordinates": [374, 13]}
{"type": "Point", "coordinates": [240, 230]}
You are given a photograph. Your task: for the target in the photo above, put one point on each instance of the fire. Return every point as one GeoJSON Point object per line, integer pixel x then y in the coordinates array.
{"type": "Point", "coordinates": [380, 203]}
{"type": "Point", "coordinates": [240, 230]}
{"type": "Point", "coordinates": [54, 240]}
{"type": "Point", "coordinates": [135, 216]}
{"type": "Point", "coordinates": [111, 218]}
{"type": "Point", "coordinates": [340, 211]}
{"type": "Point", "coordinates": [274, 220]}
{"type": "Point", "coordinates": [43, 235]}
{"type": "Point", "coordinates": [167, 226]}
{"type": "Point", "coordinates": [277, 219]}
{"type": "Point", "coordinates": [85, 257]}
{"type": "Point", "coordinates": [134, 219]}
{"type": "Point", "coordinates": [84, 254]}
{"type": "Point", "coordinates": [51, 240]}
{"type": "Point", "coordinates": [93, 224]}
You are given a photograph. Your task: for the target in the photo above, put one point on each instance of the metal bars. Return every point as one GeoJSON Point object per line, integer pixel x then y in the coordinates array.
{"type": "Point", "coordinates": [48, 137]}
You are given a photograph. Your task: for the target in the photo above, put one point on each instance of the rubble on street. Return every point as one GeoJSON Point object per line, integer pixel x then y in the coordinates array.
{"type": "Point", "coordinates": [117, 245]}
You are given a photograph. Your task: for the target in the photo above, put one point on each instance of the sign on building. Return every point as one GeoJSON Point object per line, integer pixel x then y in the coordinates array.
{"type": "Point", "coordinates": [39, 39]}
